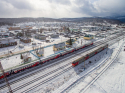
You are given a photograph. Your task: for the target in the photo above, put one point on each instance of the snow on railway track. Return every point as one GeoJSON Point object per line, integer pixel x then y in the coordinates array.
{"type": "Point", "coordinates": [53, 71]}
{"type": "Point", "coordinates": [87, 79]}
{"type": "Point", "coordinates": [29, 90]}
{"type": "Point", "coordinates": [53, 75]}
{"type": "Point", "coordinates": [102, 70]}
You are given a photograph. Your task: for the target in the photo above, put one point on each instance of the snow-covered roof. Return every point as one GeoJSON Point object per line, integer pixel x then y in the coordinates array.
{"type": "Point", "coordinates": [40, 52]}
{"type": "Point", "coordinates": [4, 33]}
{"type": "Point", "coordinates": [3, 30]}
{"type": "Point", "coordinates": [89, 26]}
{"type": "Point", "coordinates": [25, 38]}
{"type": "Point", "coordinates": [59, 45]}
{"type": "Point", "coordinates": [6, 40]}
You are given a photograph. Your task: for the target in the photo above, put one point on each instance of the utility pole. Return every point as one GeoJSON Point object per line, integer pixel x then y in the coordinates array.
{"type": "Point", "coordinates": [8, 85]}
{"type": "Point", "coordinates": [84, 65]}
{"type": "Point", "coordinates": [118, 42]}
{"type": "Point", "coordinates": [8, 51]}
{"type": "Point", "coordinates": [81, 41]}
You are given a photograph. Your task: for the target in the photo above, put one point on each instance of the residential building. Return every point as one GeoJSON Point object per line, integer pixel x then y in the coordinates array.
{"type": "Point", "coordinates": [5, 42]}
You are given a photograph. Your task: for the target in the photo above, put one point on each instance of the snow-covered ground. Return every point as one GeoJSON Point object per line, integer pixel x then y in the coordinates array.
{"type": "Point", "coordinates": [79, 71]}
{"type": "Point", "coordinates": [59, 80]}
{"type": "Point", "coordinates": [67, 78]}
{"type": "Point", "coordinates": [113, 79]}
{"type": "Point", "coordinates": [15, 60]}
{"type": "Point", "coordinates": [29, 45]}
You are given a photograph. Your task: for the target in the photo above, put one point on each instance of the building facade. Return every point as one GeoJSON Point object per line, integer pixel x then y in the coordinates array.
{"type": "Point", "coordinates": [25, 40]}
{"type": "Point", "coordinates": [6, 42]}
{"type": "Point", "coordinates": [54, 35]}
{"type": "Point", "coordinates": [40, 36]}
{"type": "Point", "coordinates": [60, 46]}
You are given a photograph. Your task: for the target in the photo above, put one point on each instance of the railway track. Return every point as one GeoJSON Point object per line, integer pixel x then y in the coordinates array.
{"type": "Point", "coordinates": [35, 68]}
{"type": "Point", "coordinates": [91, 71]}
{"type": "Point", "coordinates": [101, 72]}
{"type": "Point", "coordinates": [46, 80]}
{"type": "Point", "coordinates": [49, 73]}
{"type": "Point", "coordinates": [31, 88]}
{"type": "Point", "coordinates": [44, 70]}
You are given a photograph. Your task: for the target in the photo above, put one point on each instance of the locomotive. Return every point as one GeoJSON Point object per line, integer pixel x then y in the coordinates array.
{"type": "Point", "coordinates": [33, 64]}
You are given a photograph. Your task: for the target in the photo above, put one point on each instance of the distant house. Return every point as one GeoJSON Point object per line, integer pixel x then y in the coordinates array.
{"type": "Point", "coordinates": [4, 33]}
{"type": "Point", "coordinates": [40, 36]}
{"type": "Point", "coordinates": [14, 28]}
{"type": "Point", "coordinates": [29, 32]}
{"type": "Point", "coordinates": [5, 42]}
{"type": "Point", "coordinates": [54, 35]}
{"type": "Point", "coordinates": [59, 46]}
{"type": "Point", "coordinates": [15, 32]}
{"type": "Point", "coordinates": [25, 40]}
{"type": "Point", "coordinates": [89, 28]}
{"type": "Point", "coordinates": [88, 37]}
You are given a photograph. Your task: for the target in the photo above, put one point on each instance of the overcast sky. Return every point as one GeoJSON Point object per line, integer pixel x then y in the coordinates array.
{"type": "Point", "coordinates": [60, 8]}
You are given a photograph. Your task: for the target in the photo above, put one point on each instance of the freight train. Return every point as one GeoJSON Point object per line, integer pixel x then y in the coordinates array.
{"type": "Point", "coordinates": [33, 64]}
{"type": "Point", "coordinates": [84, 57]}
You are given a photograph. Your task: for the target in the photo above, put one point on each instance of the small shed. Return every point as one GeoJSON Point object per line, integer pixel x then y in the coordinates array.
{"type": "Point", "coordinates": [26, 58]}
{"type": "Point", "coordinates": [40, 53]}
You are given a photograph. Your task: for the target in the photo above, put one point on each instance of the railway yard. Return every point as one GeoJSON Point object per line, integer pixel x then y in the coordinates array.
{"type": "Point", "coordinates": [56, 72]}
{"type": "Point", "coordinates": [62, 46]}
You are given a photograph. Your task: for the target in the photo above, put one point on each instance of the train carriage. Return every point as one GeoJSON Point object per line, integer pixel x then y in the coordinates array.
{"type": "Point", "coordinates": [89, 43]}
{"type": "Point", "coordinates": [70, 50]}
{"type": "Point", "coordinates": [80, 47]}
{"type": "Point", "coordinates": [90, 54]}
{"type": "Point", "coordinates": [1, 76]}
{"type": "Point", "coordinates": [78, 61]}
{"type": "Point", "coordinates": [63, 53]}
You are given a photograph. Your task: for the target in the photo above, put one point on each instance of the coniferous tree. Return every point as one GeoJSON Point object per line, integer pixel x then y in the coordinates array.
{"type": "Point", "coordinates": [70, 41]}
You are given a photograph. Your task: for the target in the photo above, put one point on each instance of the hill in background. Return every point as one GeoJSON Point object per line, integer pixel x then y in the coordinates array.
{"type": "Point", "coordinates": [112, 20]}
